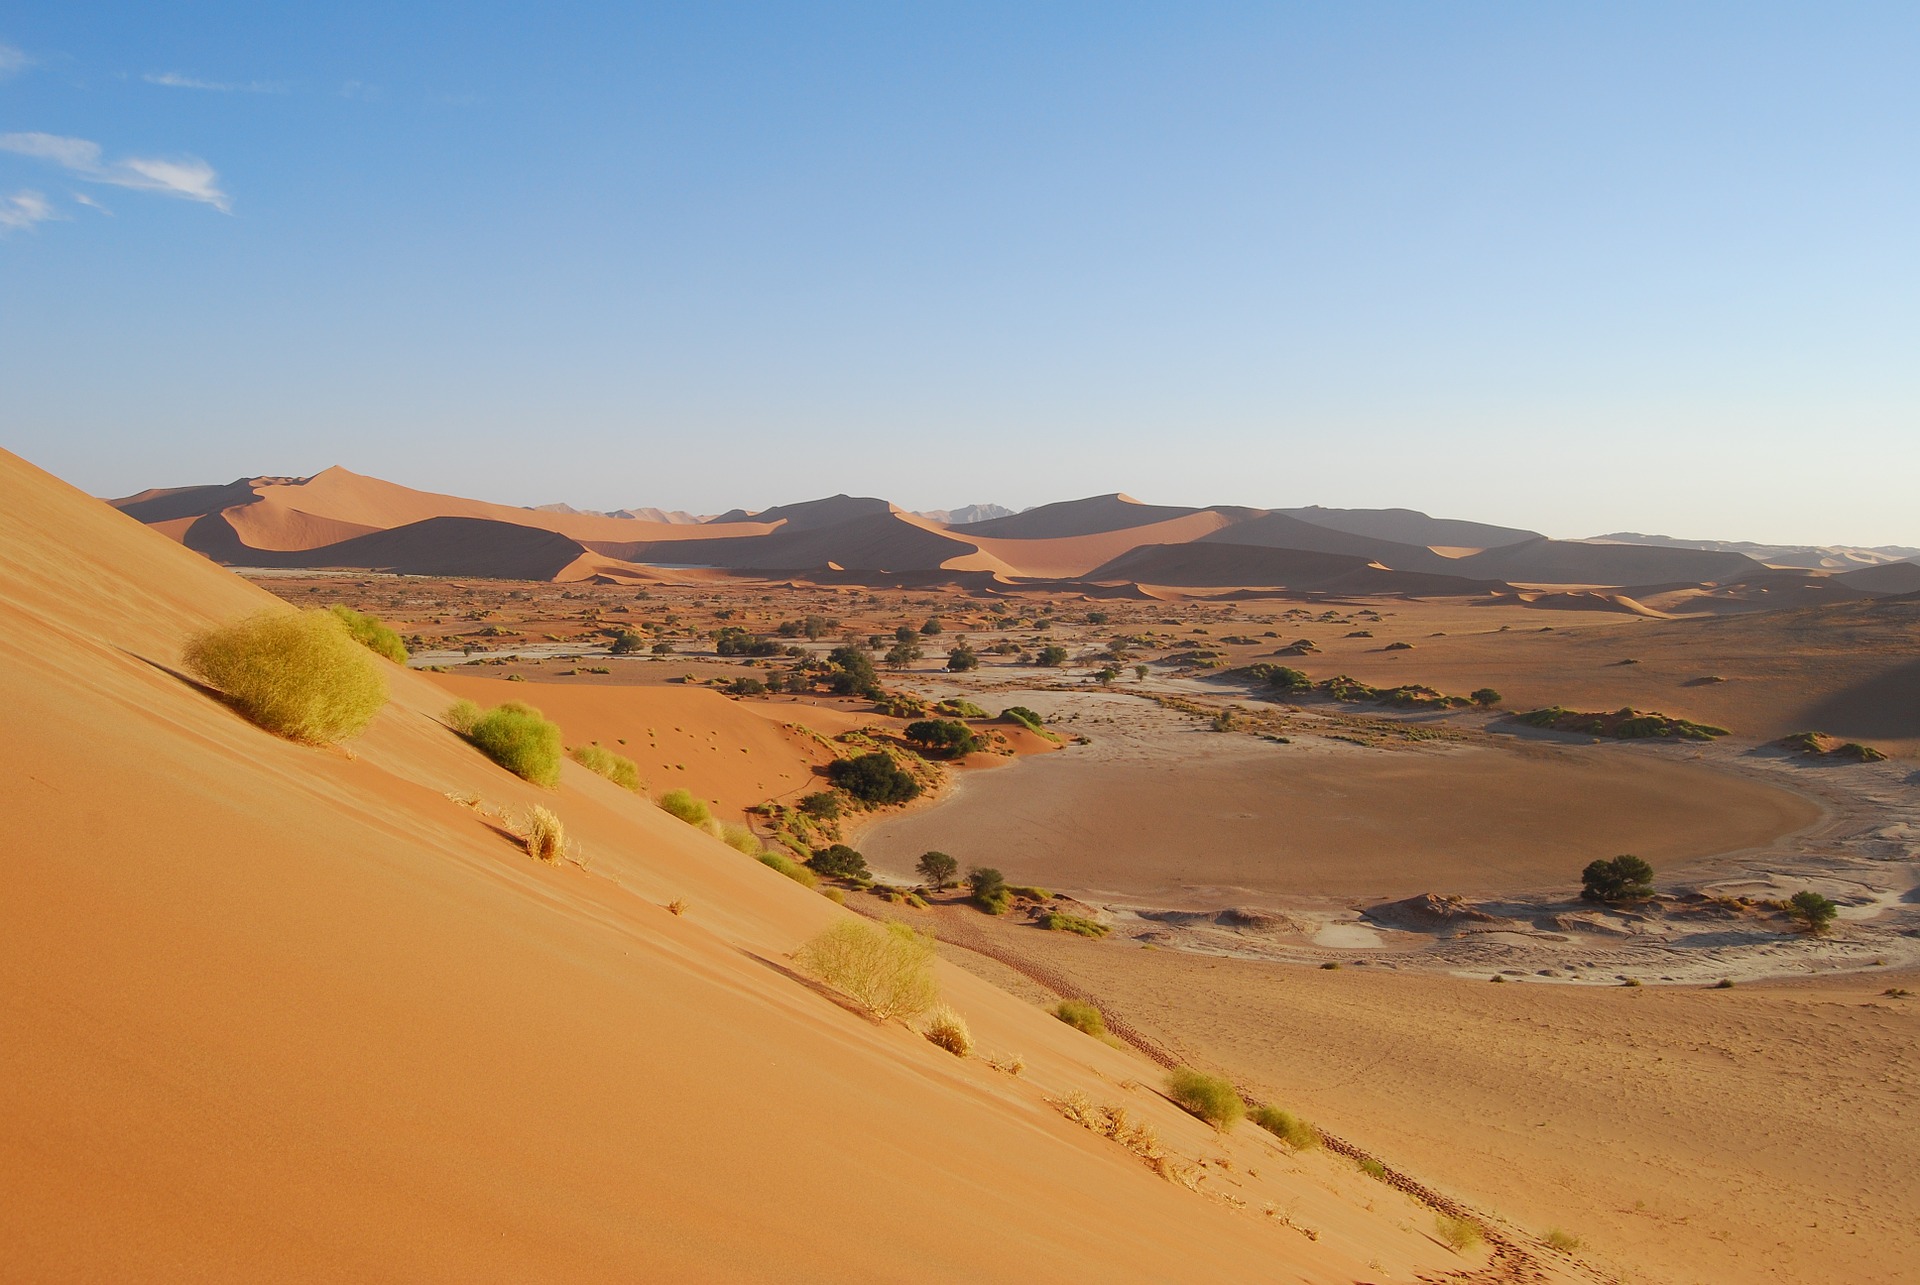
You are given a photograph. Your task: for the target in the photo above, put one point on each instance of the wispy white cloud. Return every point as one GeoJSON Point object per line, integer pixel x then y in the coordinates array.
{"type": "Point", "coordinates": [187, 177]}
{"type": "Point", "coordinates": [174, 80]}
{"type": "Point", "coordinates": [81, 198]}
{"type": "Point", "coordinates": [13, 61]}
{"type": "Point", "coordinates": [22, 210]}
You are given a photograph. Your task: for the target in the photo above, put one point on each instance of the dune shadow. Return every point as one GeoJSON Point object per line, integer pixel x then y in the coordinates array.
{"type": "Point", "coordinates": [1885, 706]}
{"type": "Point", "coordinates": [813, 984]}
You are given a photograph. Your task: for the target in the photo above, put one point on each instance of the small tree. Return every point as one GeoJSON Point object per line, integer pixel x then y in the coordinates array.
{"type": "Point", "coordinates": [1107, 675]}
{"type": "Point", "coordinates": [839, 862]}
{"type": "Point", "coordinates": [938, 868]}
{"type": "Point", "coordinates": [903, 653]}
{"type": "Point", "coordinates": [626, 643]}
{"type": "Point", "coordinates": [963, 658]}
{"type": "Point", "coordinates": [823, 805]}
{"type": "Point", "coordinates": [1052, 656]}
{"type": "Point", "coordinates": [1625, 878]}
{"type": "Point", "coordinates": [932, 626]}
{"type": "Point", "coordinates": [1140, 673]}
{"type": "Point", "coordinates": [1486, 698]}
{"type": "Point", "coordinates": [1813, 911]}
{"type": "Point", "coordinates": [853, 673]}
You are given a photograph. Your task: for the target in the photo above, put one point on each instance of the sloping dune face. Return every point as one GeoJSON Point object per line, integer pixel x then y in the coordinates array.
{"type": "Point", "coordinates": [1092, 516]}
{"type": "Point", "coordinates": [269, 1011]}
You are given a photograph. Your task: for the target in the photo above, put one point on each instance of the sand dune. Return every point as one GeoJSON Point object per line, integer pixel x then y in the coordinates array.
{"type": "Point", "coordinates": [1095, 515]}
{"type": "Point", "coordinates": [272, 1011]}
{"type": "Point", "coordinates": [1572, 562]}
{"type": "Point", "coordinates": [1208, 563]}
{"type": "Point", "coordinates": [1409, 526]}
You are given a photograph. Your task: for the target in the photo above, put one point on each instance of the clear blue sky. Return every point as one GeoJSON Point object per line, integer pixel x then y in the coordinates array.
{"type": "Point", "coordinates": [1576, 267]}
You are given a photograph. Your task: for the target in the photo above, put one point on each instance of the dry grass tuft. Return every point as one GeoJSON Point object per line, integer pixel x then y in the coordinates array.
{"type": "Point", "coordinates": [948, 1029]}
{"type": "Point", "coordinates": [544, 835]}
{"type": "Point", "coordinates": [1211, 1097]}
{"type": "Point", "coordinates": [297, 674]}
{"type": "Point", "coordinates": [1563, 1241]}
{"type": "Point", "coordinates": [677, 907]}
{"type": "Point", "coordinates": [886, 971]}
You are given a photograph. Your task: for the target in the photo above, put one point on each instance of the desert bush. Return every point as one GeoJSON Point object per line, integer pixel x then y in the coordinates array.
{"type": "Point", "coordinates": [1372, 1168]}
{"type": "Point", "coordinates": [1210, 1097]}
{"type": "Point", "coordinates": [1625, 878]}
{"type": "Point", "coordinates": [946, 735]}
{"type": "Point", "coordinates": [963, 658]}
{"type": "Point", "coordinates": [739, 838]}
{"type": "Point", "coordinates": [297, 674]}
{"type": "Point", "coordinates": [1564, 1241]}
{"type": "Point", "coordinates": [1458, 1234]}
{"type": "Point", "coordinates": [948, 1029]}
{"type": "Point", "coordinates": [618, 768]}
{"type": "Point", "coordinates": [520, 739]}
{"type": "Point", "coordinates": [1485, 697]}
{"type": "Point", "coordinates": [823, 805]}
{"type": "Point", "coordinates": [960, 707]}
{"type": "Point", "coordinates": [544, 835]}
{"type": "Point", "coordinates": [989, 889]}
{"type": "Point", "coordinates": [937, 868]}
{"type": "Point", "coordinates": [1287, 1127]}
{"type": "Point", "coordinates": [887, 971]}
{"type": "Point", "coordinates": [790, 868]}
{"type": "Point", "coordinates": [853, 674]}
{"type": "Point", "coordinates": [1021, 714]}
{"type": "Point", "coordinates": [682, 804]}
{"type": "Point", "coordinates": [462, 715]}
{"type": "Point", "coordinates": [1052, 656]}
{"type": "Point", "coordinates": [839, 862]}
{"type": "Point", "coordinates": [1060, 922]}
{"type": "Point", "coordinates": [1813, 911]}
{"type": "Point", "coordinates": [372, 633]}
{"type": "Point", "coordinates": [873, 779]}
{"type": "Point", "coordinates": [1082, 1017]}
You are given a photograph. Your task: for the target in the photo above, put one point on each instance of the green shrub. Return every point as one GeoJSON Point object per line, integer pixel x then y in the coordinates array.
{"type": "Point", "coordinates": [372, 633]}
{"type": "Point", "coordinates": [1372, 1168]}
{"type": "Point", "coordinates": [1813, 911]}
{"type": "Point", "coordinates": [790, 868]}
{"type": "Point", "coordinates": [739, 838]}
{"type": "Point", "coordinates": [618, 768]}
{"type": "Point", "coordinates": [1625, 878]}
{"type": "Point", "coordinates": [989, 889]}
{"type": "Point", "coordinates": [1458, 1234]}
{"type": "Point", "coordinates": [1564, 1241]}
{"type": "Point", "coordinates": [1059, 922]}
{"type": "Point", "coordinates": [1211, 1097]}
{"type": "Point", "coordinates": [887, 971]}
{"type": "Point", "coordinates": [1021, 714]}
{"type": "Point", "coordinates": [1486, 697]}
{"type": "Point", "coordinates": [873, 779]}
{"type": "Point", "coordinates": [300, 675]}
{"type": "Point", "coordinates": [1031, 892]}
{"type": "Point", "coordinates": [944, 735]}
{"type": "Point", "coordinates": [520, 739]}
{"type": "Point", "coordinates": [462, 715]}
{"type": "Point", "coordinates": [682, 804]}
{"type": "Point", "coordinates": [1287, 1127]}
{"type": "Point", "coordinates": [1082, 1017]}
{"type": "Point", "coordinates": [823, 805]}
{"type": "Point", "coordinates": [839, 862]}
{"type": "Point", "coordinates": [960, 707]}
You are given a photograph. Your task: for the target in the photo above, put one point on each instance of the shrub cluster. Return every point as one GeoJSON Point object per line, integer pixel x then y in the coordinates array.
{"type": "Point", "coordinates": [300, 675]}
{"type": "Point", "coordinates": [839, 862]}
{"type": "Point", "coordinates": [1061, 922]}
{"type": "Point", "coordinates": [1625, 878]}
{"type": "Point", "coordinates": [873, 779]}
{"type": "Point", "coordinates": [1625, 724]}
{"type": "Point", "coordinates": [682, 804]}
{"type": "Point", "coordinates": [1287, 1127]}
{"type": "Point", "coordinates": [948, 736]}
{"type": "Point", "coordinates": [1082, 1017]}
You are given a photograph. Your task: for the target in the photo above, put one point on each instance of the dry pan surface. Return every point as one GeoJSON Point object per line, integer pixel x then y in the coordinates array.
{"type": "Point", "coordinates": [1156, 809]}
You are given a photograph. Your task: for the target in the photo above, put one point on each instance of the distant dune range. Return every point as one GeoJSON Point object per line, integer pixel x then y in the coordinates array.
{"type": "Point", "coordinates": [1104, 545]}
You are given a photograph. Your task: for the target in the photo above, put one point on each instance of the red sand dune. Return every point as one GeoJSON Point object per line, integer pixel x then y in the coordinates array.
{"type": "Point", "coordinates": [270, 1011]}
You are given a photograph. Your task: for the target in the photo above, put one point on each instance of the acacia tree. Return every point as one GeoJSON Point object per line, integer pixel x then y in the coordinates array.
{"type": "Point", "coordinates": [963, 658]}
{"type": "Point", "coordinates": [938, 868]}
{"type": "Point", "coordinates": [1625, 878]}
{"type": "Point", "coordinates": [1813, 911]}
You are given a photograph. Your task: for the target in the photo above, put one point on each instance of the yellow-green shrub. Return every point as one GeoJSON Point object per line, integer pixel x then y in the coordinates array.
{"type": "Point", "coordinates": [520, 739]}
{"type": "Point", "coordinates": [618, 768]}
{"type": "Point", "coordinates": [887, 971]}
{"type": "Point", "coordinates": [462, 715]}
{"type": "Point", "coordinates": [298, 674]}
{"type": "Point", "coordinates": [682, 804]}
{"type": "Point", "coordinates": [1210, 1097]}
{"type": "Point", "coordinates": [372, 633]}
{"type": "Point", "coordinates": [791, 869]}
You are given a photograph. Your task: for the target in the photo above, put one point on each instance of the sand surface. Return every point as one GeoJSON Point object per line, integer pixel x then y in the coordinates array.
{"type": "Point", "coordinates": [1684, 1135]}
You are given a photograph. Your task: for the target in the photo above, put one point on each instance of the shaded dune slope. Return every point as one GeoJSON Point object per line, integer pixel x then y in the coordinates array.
{"type": "Point", "coordinates": [1207, 564]}
{"type": "Point", "coordinates": [281, 1011]}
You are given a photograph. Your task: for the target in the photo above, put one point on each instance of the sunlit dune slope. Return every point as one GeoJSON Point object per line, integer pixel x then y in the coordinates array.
{"type": "Point", "coordinates": [269, 1011]}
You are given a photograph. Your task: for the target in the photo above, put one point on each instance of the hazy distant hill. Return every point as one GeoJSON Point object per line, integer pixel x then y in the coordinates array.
{"type": "Point", "coordinates": [1819, 557]}
{"type": "Point", "coordinates": [972, 513]}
